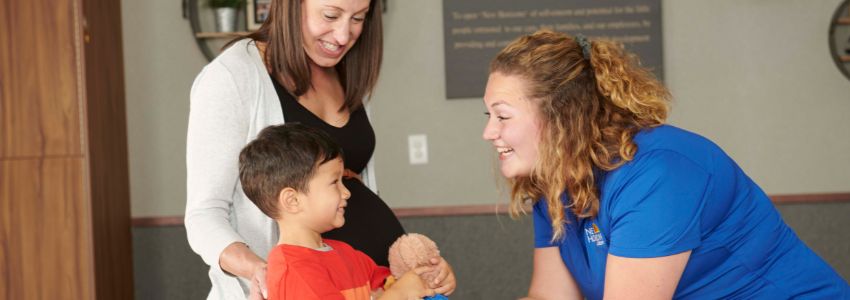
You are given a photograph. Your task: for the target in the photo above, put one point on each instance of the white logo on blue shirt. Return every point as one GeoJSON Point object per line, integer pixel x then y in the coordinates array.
{"type": "Point", "coordinates": [594, 236]}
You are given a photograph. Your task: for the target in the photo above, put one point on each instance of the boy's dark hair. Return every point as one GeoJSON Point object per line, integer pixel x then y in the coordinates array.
{"type": "Point", "coordinates": [282, 156]}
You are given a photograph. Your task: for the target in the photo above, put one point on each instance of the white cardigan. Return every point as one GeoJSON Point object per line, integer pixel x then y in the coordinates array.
{"type": "Point", "coordinates": [231, 100]}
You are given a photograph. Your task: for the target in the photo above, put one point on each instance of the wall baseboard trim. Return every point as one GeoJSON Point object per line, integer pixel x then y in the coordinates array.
{"type": "Point", "coordinates": [454, 210]}
{"type": "Point", "coordinates": [810, 198]}
{"type": "Point", "coordinates": [158, 221]}
{"type": "Point", "coordinates": [495, 209]}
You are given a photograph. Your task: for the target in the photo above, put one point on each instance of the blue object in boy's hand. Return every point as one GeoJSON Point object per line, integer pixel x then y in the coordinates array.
{"type": "Point", "coordinates": [436, 297]}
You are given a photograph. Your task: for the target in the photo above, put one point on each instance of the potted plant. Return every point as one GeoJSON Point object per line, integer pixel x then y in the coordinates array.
{"type": "Point", "coordinates": [225, 14]}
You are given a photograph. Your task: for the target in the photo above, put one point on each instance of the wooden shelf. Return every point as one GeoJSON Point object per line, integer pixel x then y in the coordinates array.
{"type": "Point", "coordinates": [843, 21]}
{"type": "Point", "coordinates": [219, 35]}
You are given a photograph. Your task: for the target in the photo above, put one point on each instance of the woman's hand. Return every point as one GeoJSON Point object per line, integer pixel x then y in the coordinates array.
{"type": "Point", "coordinates": [445, 282]}
{"type": "Point", "coordinates": [239, 260]}
{"type": "Point", "coordinates": [258, 289]}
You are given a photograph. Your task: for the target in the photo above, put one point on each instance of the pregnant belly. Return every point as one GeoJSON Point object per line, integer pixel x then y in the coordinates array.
{"type": "Point", "coordinates": [370, 225]}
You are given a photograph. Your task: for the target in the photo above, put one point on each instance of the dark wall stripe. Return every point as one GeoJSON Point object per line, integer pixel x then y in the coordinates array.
{"type": "Point", "coordinates": [485, 209]}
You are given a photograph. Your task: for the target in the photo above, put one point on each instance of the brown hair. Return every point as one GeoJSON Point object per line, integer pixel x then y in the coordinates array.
{"type": "Point", "coordinates": [282, 156]}
{"type": "Point", "coordinates": [284, 56]}
{"type": "Point", "coordinates": [590, 110]}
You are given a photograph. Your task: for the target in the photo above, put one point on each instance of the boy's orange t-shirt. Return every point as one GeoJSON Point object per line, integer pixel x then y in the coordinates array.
{"type": "Point", "coordinates": [296, 272]}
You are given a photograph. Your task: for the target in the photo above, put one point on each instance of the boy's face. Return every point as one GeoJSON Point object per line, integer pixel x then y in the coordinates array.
{"type": "Point", "coordinates": [324, 203]}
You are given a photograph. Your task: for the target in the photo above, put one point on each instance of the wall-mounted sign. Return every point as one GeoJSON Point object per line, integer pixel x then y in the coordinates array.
{"type": "Point", "coordinates": [475, 30]}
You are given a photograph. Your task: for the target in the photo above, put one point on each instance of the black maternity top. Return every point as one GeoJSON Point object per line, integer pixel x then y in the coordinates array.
{"type": "Point", "coordinates": [370, 225]}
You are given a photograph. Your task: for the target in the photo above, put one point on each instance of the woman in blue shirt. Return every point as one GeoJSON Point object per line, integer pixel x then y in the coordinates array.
{"type": "Point", "coordinates": [623, 205]}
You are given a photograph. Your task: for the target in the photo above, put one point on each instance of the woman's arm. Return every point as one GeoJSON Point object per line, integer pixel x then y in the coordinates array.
{"type": "Point", "coordinates": [550, 278]}
{"type": "Point", "coordinates": [218, 128]}
{"type": "Point", "coordinates": [238, 260]}
{"type": "Point", "coordinates": [655, 223]}
{"type": "Point", "coordinates": [644, 278]}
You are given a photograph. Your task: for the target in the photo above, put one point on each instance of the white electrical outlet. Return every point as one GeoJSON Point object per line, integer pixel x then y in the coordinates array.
{"type": "Point", "coordinates": [417, 147]}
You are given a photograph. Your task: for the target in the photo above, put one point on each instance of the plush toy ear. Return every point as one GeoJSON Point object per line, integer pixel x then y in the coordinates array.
{"type": "Point", "coordinates": [410, 251]}
{"type": "Point", "coordinates": [422, 251]}
{"type": "Point", "coordinates": [287, 200]}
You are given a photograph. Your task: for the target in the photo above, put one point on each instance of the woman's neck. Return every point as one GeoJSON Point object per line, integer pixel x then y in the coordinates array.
{"type": "Point", "coordinates": [326, 94]}
{"type": "Point", "coordinates": [325, 88]}
{"type": "Point", "coordinates": [324, 78]}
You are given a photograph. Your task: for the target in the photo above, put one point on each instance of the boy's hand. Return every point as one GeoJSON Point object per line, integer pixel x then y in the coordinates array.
{"type": "Point", "coordinates": [445, 282]}
{"type": "Point", "coordinates": [410, 286]}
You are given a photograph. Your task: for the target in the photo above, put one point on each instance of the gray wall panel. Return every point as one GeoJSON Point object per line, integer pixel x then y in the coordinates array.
{"type": "Point", "coordinates": [491, 254]}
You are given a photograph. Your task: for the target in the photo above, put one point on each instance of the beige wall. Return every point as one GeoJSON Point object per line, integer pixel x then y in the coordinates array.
{"type": "Point", "coordinates": [761, 83]}
{"type": "Point", "coordinates": [160, 62]}
{"type": "Point", "coordinates": [754, 76]}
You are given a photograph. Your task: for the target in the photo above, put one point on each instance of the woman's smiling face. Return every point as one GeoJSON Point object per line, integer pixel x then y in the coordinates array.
{"type": "Point", "coordinates": [513, 125]}
{"type": "Point", "coordinates": [331, 27]}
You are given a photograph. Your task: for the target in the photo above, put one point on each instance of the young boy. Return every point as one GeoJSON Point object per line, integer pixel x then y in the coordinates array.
{"type": "Point", "coordinates": [293, 173]}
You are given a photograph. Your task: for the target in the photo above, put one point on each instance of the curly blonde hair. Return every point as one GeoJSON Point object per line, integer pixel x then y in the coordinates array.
{"type": "Point", "coordinates": [590, 110]}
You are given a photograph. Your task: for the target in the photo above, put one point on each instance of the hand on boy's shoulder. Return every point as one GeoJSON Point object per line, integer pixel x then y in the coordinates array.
{"type": "Point", "coordinates": [258, 290]}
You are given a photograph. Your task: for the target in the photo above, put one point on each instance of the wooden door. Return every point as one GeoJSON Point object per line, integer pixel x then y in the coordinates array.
{"type": "Point", "coordinates": [64, 197]}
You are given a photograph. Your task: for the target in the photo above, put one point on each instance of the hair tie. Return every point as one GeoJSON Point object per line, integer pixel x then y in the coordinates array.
{"type": "Point", "coordinates": [585, 45]}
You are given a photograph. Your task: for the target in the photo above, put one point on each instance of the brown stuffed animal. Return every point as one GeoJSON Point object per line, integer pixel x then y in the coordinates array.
{"type": "Point", "coordinates": [410, 251]}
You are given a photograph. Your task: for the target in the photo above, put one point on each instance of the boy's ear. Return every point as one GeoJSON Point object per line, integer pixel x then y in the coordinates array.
{"type": "Point", "coordinates": [287, 200]}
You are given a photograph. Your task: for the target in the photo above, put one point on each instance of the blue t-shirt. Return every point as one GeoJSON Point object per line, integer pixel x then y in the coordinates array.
{"type": "Point", "coordinates": [682, 192]}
